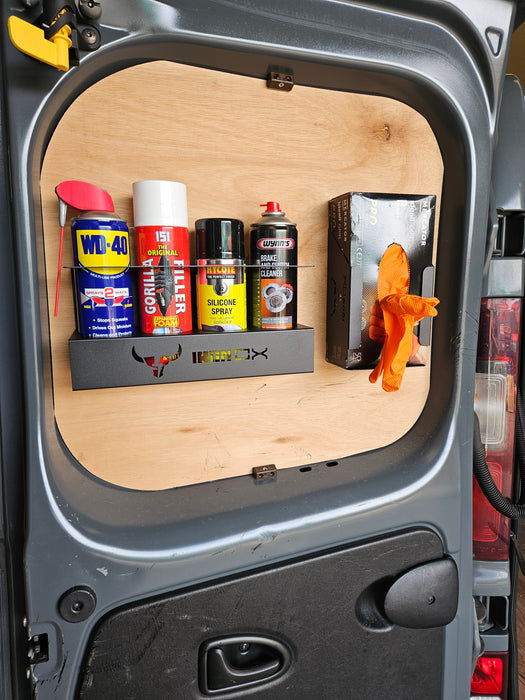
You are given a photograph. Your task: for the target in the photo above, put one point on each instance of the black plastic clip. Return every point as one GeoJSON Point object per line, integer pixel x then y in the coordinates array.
{"type": "Point", "coordinates": [38, 650]}
{"type": "Point", "coordinates": [515, 544]}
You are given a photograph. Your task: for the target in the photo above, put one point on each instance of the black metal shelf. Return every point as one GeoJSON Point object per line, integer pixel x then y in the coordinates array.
{"type": "Point", "coordinates": [138, 360]}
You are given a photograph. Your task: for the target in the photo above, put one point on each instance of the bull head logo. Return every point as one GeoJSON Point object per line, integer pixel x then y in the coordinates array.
{"type": "Point", "coordinates": [156, 365]}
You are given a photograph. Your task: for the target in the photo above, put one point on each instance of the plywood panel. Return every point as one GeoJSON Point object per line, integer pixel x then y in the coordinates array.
{"type": "Point", "coordinates": [235, 144]}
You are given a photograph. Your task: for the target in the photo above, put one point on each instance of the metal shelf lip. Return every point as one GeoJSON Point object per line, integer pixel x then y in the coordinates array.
{"type": "Point", "coordinates": [161, 359]}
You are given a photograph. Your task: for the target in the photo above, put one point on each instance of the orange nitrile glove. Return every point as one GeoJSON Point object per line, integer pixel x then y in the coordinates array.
{"type": "Point", "coordinates": [401, 311]}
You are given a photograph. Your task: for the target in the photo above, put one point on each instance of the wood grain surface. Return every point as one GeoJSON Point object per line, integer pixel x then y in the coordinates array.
{"type": "Point", "coordinates": [235, 144]}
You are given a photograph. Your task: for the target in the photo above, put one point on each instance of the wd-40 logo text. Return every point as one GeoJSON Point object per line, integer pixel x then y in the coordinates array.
{"type": "Point", "coordinates": [231, 355]}
{"type": "Point", "coordinates": [157, 366]}
{"type": "Point", "coordinates": [276, 243]}
{"type": "Point", "coordinates": [107, 249]}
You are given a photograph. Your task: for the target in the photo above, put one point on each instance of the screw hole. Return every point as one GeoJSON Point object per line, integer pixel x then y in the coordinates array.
{"type": "Point", "coordinates": [332, 464]}
{"type": "Point", "coordinates": [305, 469]}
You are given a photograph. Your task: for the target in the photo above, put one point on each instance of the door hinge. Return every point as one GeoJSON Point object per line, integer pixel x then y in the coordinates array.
{"type": "Point", "coordinates": [280, 81]}
{"type": "Point", "coordinates": [266, 471]}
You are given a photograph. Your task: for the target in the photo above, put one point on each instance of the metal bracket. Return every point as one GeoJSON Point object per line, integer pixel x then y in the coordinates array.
{"type": "Point", "coordinates": [267, 471]}
{"type": "Point", "coordinates": [38, 650]}
{"type": "Point", "coordinates": [280, 81]}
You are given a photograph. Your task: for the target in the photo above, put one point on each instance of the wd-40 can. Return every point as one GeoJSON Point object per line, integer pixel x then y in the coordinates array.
{"type": "Point", "coordinates": [104, 289]}
{"type": "Point", "coordinates": [161, 228]}
{"type": "Point", "coordinates": [273, 246]}
{"type": "Point", "coordinates": [221, 280]}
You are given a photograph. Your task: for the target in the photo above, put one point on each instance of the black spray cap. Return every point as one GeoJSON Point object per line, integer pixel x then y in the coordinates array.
{"type": "Point", "coordinates": [220, 238]}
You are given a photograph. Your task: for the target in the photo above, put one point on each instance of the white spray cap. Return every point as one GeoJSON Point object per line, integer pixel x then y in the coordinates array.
{"type": "Point", "coordinates": [160, 203]}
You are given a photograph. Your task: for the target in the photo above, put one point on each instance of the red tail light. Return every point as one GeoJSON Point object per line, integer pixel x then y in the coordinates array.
{"type": "Point", "coordinates": [490, 677]}
{"type": "Point", "coordinates": [487, 521]}
{"type": "Point", "coordinates": [495, 404]}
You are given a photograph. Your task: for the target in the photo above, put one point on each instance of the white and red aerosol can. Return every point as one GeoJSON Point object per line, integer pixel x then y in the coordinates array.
{"type": "Point", "coordinates": [161, 229]}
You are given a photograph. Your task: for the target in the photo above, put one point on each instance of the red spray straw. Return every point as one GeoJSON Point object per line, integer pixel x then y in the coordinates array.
{"type": "Point", "coordinates": [82, 196]}
{"type": "Point", "coordinates": [271, 207]}
{"type": "Point", "coordinates": [57, 291]}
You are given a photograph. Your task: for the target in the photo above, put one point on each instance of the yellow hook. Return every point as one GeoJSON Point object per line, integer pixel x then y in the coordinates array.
{"type": "Point", "coordinates": [32, 41]}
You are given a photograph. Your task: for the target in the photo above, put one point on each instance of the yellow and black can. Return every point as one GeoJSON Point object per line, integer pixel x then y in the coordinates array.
{"type": "Point", "coordinates": [221, 275]}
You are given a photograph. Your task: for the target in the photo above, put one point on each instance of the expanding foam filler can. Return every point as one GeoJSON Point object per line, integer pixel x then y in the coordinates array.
{"type": "Point", "coordinates": [161, 229]}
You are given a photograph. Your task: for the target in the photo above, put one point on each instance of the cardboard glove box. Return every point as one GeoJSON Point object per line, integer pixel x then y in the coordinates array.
{"type": "Point", "coordinates": [361, 227]}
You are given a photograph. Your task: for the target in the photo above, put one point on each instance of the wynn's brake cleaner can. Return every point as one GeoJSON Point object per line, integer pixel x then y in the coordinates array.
{"type": "Point", "coordinates": [273, 250]}
{"type": "Point", "coordinates": [161, 229]}
{"type": "Point", "coordinates": [221, 275]}
{"type": "Point", "coordinates": [103, 282]}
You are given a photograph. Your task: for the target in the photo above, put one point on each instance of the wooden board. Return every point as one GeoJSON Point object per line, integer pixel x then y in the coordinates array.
{"type": "Point", "coordinates": [235, 144]}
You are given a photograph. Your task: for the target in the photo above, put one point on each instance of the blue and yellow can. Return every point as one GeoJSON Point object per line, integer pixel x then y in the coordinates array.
{"type": "Point", "coordinates": [103, 281]}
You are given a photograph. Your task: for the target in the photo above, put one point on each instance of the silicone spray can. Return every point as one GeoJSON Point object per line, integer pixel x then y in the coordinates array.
{"type": "Point", "coordinates": [273, 245]}
{"type": "Point", "coordinates": [161, 229]}
{"type": "Point", "coordinates": [103, 283]}
{"type": "Point", "coordinates": [221, 275]}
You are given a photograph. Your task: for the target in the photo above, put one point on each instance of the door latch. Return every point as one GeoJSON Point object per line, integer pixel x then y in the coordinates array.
{"type": "Point", "coordinates": [38, 649]}
{"type": "Point", "coordinates": [238, 662]}
{"type": "Point", "coordinates": [61, 34]}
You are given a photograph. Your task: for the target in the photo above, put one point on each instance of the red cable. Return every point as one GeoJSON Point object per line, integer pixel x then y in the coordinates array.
{"type": "Point", "coordinates": [59, 268]}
